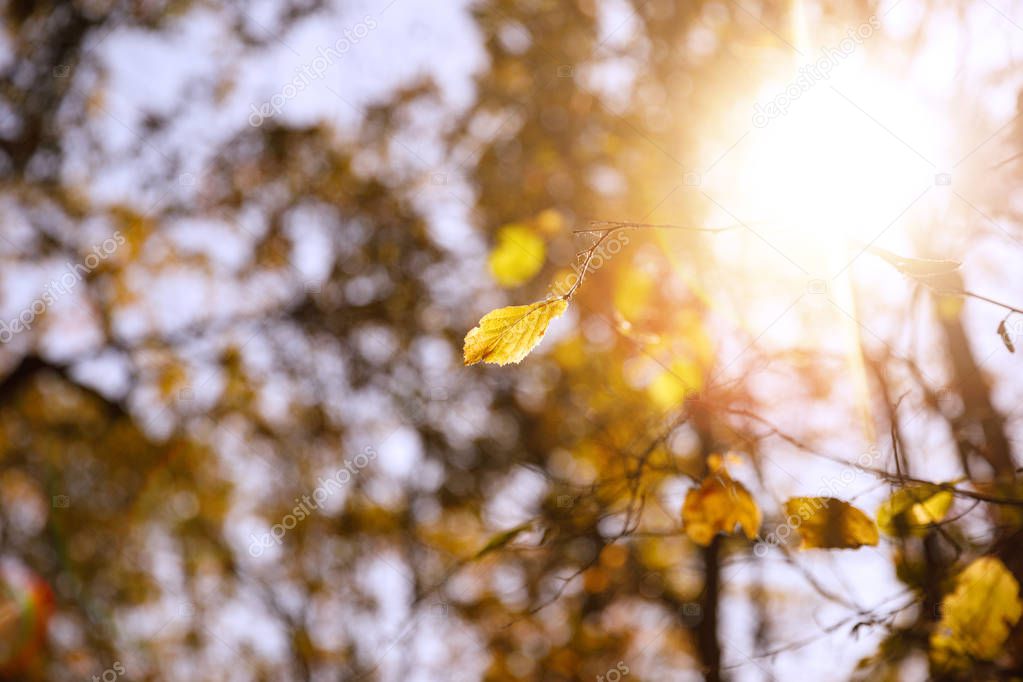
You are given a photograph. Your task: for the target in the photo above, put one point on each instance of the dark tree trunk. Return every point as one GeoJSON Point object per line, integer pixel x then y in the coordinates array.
{"type": "Point", "coordinates": [707, 632]}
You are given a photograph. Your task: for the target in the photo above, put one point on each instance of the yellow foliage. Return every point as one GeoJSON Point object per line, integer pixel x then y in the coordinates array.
{"type": "Point", "coordinates": [718, 506]}
{"type": "Point", "coordinates": [509, 334]}
{"type": "Point", "coordinates": [517, 256]}
{"type": "Point", "coordinates": [691, 355]}
{"type": "Point", "coordinates": [614, 556]}
{"type": "Point", "coordinates": [550, 221]}
{"type": "Point", "coordinates": [571, 353]}
{"type": "Point", "coordinates": [830, 523]}
{"type": "Point", "coordinates": [632, 292]}
{"type": "Point", "coordinates": [172, 376]}
{"type": "Point", "coordinates": [671, 386]}
{"type": "Point", "coordinates": [913, 508]}
{"type": "Point", "coordinates": [977, 616]}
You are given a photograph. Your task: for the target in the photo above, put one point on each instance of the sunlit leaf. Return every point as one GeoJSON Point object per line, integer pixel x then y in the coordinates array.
{"type": "Point", "coordinates": [913, 509]}
{"type": "Point", "coordinates": [977, 616]}
{"type": "Point", "coordinates": [718, 506]}
{"type": "Point", "coordinates": [517, 256]}
{"type": "Point", "coordinates": [508, 334]}
{"type": "Point", "coordinates": [830, 523]}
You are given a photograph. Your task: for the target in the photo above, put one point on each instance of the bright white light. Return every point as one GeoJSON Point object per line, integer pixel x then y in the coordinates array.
{"type": "Point", "coordinates": [844, 161]}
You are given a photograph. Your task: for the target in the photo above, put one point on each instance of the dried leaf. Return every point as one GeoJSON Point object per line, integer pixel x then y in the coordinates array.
{"type": "Point", "coordinates": [913, 509]}
{"type": "Point", "coordinates": [1006, 339]}
{"type": "Point", "coordinates": [977, 616]}
{"type": "Point", "coordinates": [718, 506]}
{"type": "Point", "coordinates": [830, 523]}
{"type": "Point", "coordinates": [508, 334]}
{"type": "Point", "coordinates": [940, 275]}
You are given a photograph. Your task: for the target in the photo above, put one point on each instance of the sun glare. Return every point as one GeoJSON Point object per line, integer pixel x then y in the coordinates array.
{"type": "Point", "coordinates": [833, 166]}
{"type": "Point", "coordinates": [824, 167]}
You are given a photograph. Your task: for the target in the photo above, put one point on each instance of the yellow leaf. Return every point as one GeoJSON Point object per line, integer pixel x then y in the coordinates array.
{"type": "Point", "coordinates": [671, 386]}
{"type": "Point", "coordinates": [913, 509]}
{"type": "Point", "coordinates": [830, 523]}
{"type": "Point", "coordinates": [518, 255]}
{"type": "Point", "coordinates": [977, 616]}
{"type": "Point", "coordinates": [508, 334]}
{"type": "Point", "coordinates": [550, 221]}
{"type": "Point", "coordinates": [718, 506]}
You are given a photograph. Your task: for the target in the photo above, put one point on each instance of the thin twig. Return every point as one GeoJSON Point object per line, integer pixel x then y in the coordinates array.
{"type": "Point", "coordinates": [1006, 306]}
{"type": "Point", "coordinates": [614, 225]}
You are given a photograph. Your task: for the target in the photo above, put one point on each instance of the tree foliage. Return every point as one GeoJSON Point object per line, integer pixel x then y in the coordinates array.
{"type": "Point", "coordinates": [240, 443]}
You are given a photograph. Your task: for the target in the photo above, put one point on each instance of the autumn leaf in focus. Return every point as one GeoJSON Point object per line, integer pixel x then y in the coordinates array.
{"type": "Point", "coordinates": [718, 506]}
{"type": "Point", "coordinates": [977, 616]}
{"type": "Point", "coordinates": [508, 334]}
{"type": "Point", "coordinates": [830, 523]}
{"type": "Point", "coordinates": [517, 256]}
{"type": "Point", "coordinates": [913, 509]}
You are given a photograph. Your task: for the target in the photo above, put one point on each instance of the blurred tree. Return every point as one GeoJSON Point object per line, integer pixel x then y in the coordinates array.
{"type": "Point", "coordinates": [227, 463]}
